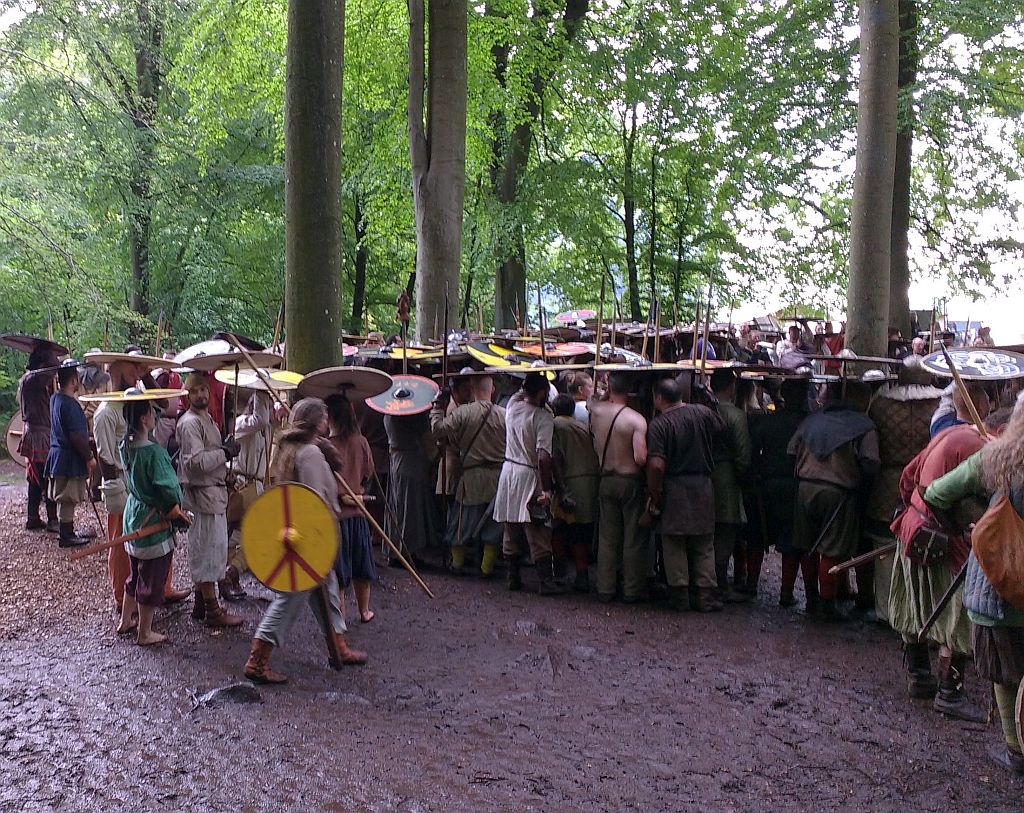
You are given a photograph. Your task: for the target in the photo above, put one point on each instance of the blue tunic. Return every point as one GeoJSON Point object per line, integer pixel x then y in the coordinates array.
{"type": "Point", "coordinates": [66, 419]}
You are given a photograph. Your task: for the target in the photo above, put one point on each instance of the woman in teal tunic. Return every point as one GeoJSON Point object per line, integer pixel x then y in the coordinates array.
{"type": "Point", "coordinates": [153, 495]}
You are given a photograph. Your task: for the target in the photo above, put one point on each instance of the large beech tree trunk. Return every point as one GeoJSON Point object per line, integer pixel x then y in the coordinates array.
{"type": "Point", "coordinates": [437, 147]}
{"type": "Point", "coordinates": [312, 163]}
{"type": "Point", "coordinates": [899, 265]}
{"type": "Point", "coordinates": [870, 228]}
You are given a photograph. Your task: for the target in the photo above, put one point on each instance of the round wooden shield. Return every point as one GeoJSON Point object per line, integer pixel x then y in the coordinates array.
{"type": "Point", "coordinates": [150, 362]}
{"type": "Point", "coordinates": [290, 538]}
{"type": "Point", "coordinates": [26, 344]}
{"type": "Point", "coordinates": [357, 383]}
{"type": "Point", "coordinates": [349, 350]}
{"type": "Point", "coordinates": [15, 429]}
{"type": "Point", "coordinates": [407, 395]}
{"type": "Point", "coordinates": [220, 361]}
{"type": "Point", "coordinates": [280, 380]}
{"type": "Point", "coordinates": [561, 351]}
{"type": "Point", "coordinates": [572, 317]}
{"type": "Point", "coordinates": [977, 364]}
{"type": "Point", "coordinates": [133, 394]}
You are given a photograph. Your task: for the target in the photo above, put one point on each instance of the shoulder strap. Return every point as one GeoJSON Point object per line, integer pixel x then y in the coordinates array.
{"type": "Point", "coordinates": [487, 416]}
{"type": "Point", "coordinates": [608, 438]}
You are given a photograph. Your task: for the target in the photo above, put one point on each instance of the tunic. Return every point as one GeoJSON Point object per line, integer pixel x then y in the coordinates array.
{"type": "Point", "coordinates": [202, 465]}
{"type": "Point", "coordinates": [411, 489]}
{"type": "Point", "coordinates": [356, 468]}
{"type": "Point", "coordinates": [153, 490]}
{"type": "Point", "coordinates": [731, 451]}
{"type": "Point", "coordinates": [528, 431]}
{"type": "Point", "coordinates": [480, 453]}
{"type": "Point", "coordinates": [683, 438]}
{"type": "Point", "coordinates": [254, 435]}
{"type": "Point", "coordinates": [770, 435]}
{"type": "Point", "coordinates": [69, 438]}
{"type": "Point", "coordinates": [34, 390]}
{"type": "Point", "coordinates": [574, 451]}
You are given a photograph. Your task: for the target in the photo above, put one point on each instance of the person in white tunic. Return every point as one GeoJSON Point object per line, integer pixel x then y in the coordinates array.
{"type": "Point", "coordinates": [524, 489]}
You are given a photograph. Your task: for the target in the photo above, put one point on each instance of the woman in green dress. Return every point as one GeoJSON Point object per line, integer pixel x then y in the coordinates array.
{"type": "Point", "coordinates": [153, 495]}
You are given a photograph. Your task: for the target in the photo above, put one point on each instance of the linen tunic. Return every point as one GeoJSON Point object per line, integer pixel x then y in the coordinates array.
{"type": "Point", "coordinates": [153, 490]}
{"type": "Point", "coordinates": [528, 430]}
{"type": "Point", "coordinates": [480, 463]}
{"type": "Point", "coordinates": [579, 462]}
{"type": "Point", "coordinates": [202, 465]}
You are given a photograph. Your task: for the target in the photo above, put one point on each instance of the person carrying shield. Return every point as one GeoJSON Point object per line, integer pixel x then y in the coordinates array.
{"type": "Point", "coordinates": [34, 391]}
{"type": "Point", "coordinates": [299, 459]}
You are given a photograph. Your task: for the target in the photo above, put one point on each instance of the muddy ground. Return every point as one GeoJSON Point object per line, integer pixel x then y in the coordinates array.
{"type": "Point", "coordinates": [480, 700]}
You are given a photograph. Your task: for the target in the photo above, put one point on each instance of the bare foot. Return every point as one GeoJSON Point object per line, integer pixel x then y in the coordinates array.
{"type": "Point", "coordinates": [124, 627]}
{"type": "Point", "coordinates": [367, 617]}
{"type": "Point", "coordinates": [152, 639]}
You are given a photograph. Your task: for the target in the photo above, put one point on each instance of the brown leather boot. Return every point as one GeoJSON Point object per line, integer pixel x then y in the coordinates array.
{"type": "Point", "coordinates": [230, 587]}
{"type": "Point", "coordinates": [349, 657]}
{"type": "Point", "coordinates": [951, 699]}
{"type": "Point", "coordinates": [257, 668]}
{"type": "Point", "coordinates": [217, 616]}
{"type": "Point", "coordinates": [175, 596]}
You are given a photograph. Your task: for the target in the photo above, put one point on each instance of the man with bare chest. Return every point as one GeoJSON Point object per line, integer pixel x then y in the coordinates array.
{"type": "Point", "coordinates": [620, 440]}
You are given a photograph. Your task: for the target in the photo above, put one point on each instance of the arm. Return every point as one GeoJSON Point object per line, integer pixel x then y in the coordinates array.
{"type": "Point", "coordinates": [106, 443]}
{"type": "Point", "coordinates": [166, 489]}
{"type": "Point", "coordinates": [741, 443]}
{"type": "Point", "coordinates": [640, 442]}
{"type": "Point", "coordinates": [249, 424]}
{"type": "Point", "coordinates": [445, 429]}
{"type": "Point", "coordinates": [963, 481]}
{"type": "Point", "coordinates": [655, 480]}
{"type": "Point", "coordinates": [195, 458]}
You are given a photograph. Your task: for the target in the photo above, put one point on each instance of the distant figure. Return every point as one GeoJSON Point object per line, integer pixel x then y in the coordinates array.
{"type": "Point", "coordinates": [985, 337]}
{"type": "Point", "coordinates": [917, 346]}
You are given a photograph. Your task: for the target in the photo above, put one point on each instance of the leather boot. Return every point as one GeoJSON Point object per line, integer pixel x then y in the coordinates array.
{"type": "Point", "coordinates": [679, 599]}
{"type": "Point", "coordinates": [349, 657]}
{"type": "Point", "coordinates": [545, 571]}
{"type": "Point", "coordinates": [229, 587]}
{"type": "Point", "coordinates": [68, 538]}
{"type": "Point", "coordinates": [706, 601]}
{"type": "Point", "coordinates": [951, 700]}
{"type": "Point", "coordinates": [922, 684]}
{"type": "Point", "coordinates": [830, 610]}
{"type": "Point", "coordinates": [52, 524]}
{"type": "Point", "coordinates": [257, 668]}
{"type": "Point", "coordinates": [35, 500]}
{"type": "Point", "coordinates": [199, 607]}
{"type": "Point", "coordinates": [175, 596]}
{"type": "Point", "coordinates": [515, 576]}
{"type": "Point", "coordinates": [217, 616]}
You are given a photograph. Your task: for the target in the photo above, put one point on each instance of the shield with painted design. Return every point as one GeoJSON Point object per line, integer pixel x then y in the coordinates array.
{"type": "Point", "coordinates": [15, 429]}
{"type": "Point", "coordinates": [290, 538]}
{"type": "Point", "coordinates": [977, 363]}
{"type": "Point", "coordinates": [407, 395]}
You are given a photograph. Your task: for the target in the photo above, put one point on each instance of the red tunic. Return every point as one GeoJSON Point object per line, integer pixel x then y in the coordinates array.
{"type": "Point", "coordinates": [944, 452]}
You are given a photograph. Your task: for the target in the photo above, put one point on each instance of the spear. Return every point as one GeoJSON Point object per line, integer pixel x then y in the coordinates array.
{"type": "Point", "coordinates": [159, 333]}
{"type": "Point", "coordinates": [696, 331]}
{"type": "Point", "coordinates": [540, 317]}
{"type": "Point", "coordinates": [657, 329]}
{"type": "Point", "coordinates": [707, 329]}
{"type": "Point", "coordinates": [600, 324]}
{"type": "Point", "coordinates": [971, 408]}
{"type": "Point", "coordinates": [276, 344]}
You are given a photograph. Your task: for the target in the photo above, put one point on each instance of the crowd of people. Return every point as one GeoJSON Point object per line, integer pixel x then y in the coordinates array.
{"type": "Point", "coordinates": [672, 488]}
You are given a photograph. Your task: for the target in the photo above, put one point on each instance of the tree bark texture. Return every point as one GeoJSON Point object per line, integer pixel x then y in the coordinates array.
{"type": "Point", "coordinates": [629, 211]}
{"type": "Point", "coordinates": [437, 147]}
{"type": "Point", "coordinates": [361, 261]}
{"type": "Point", "coordinates": [511, 154]}
{"type": "Point", "coordinates": [142, 108]}
{"type": "Point", "coordinates": [871, 222]}
{"type": "Point", "coordinates": [312, 183]}
{"type": "Point", "coordinates": [899, 265]}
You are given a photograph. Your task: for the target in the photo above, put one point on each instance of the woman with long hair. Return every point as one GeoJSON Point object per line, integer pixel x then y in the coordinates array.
{"type": "Point", "coordinates": [299, 459]}
{"type": "Point", "coordinates": [154, 494]}
{"type": "Point", "coordinates": [355, 563]}
{"type": "Point", "coordinates": [998, 626]}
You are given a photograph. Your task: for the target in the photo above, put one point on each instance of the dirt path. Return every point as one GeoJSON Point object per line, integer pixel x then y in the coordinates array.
{"type": "Point", "coordinates": [480, 700]}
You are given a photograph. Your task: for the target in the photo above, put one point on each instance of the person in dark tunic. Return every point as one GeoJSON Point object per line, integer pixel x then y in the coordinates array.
{"type": "Point", "coordinates": [411, 519]}
{"type": "Point", "coordinates": [680, 493]}
{"type": "Point", "coordinates": [836, 451]}
{"type": "Point", "coordinates": [71, 461]}
{"type": "Point", "coordinates": [34, 390]}
{"type": "Point", "coordinates": [774, 495]}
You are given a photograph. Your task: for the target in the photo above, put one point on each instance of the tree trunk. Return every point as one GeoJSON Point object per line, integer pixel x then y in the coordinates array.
{"type": "Point", "coordinates": [899, 283]}
{"type": "Point", "coordinates": [437, 148]}
{"type": "Point", "coordinates": [362, 256]}
{"type": "Point", "coordinates": [143, 108]}
{"type": "Point", "coordinates": [510, 160]}
{"type": "Point", "coordinates": [629, 210]}
{"type": "Point", "coordinates": [871, 222]}
{"type": "Point", "coordinates": [312, 183]}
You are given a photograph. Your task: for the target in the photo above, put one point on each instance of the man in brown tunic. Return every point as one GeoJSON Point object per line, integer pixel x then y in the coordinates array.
{"type": "Point", "coordinates": [836, 452]}
{"type": "Point", "coordinates": [681, 494]}
{"type": "Point", "coordinates": [202, 467]}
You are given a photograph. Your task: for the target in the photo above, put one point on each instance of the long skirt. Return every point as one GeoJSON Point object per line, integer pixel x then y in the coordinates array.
{"type": "Point", "coordinates": [411, 518]}
{"type": "Point", "coordinates": [915, 591]}
{"type": "Point", "coordinates": [355, 556]}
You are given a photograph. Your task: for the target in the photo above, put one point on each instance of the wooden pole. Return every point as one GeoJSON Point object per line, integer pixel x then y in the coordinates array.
{"type": "Point", "coordinates": [159, 333]}
{"type": "Point", "coordinates": [696, 331]}
{"type": "Point", "coordinates": [657, 329]}
{"type": "Point", "coordinates": [971, 408]}
{"type": "Point", "coordinates": [707, 330]}
{"type": "Point", "coordinates": [600, 324]}
{"type": "Point", "coordinates": [276, 344]}
{"type": "Point", "coordinates": [359, 503]}
{"type": "Point", "coordinates": [540, 317]}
